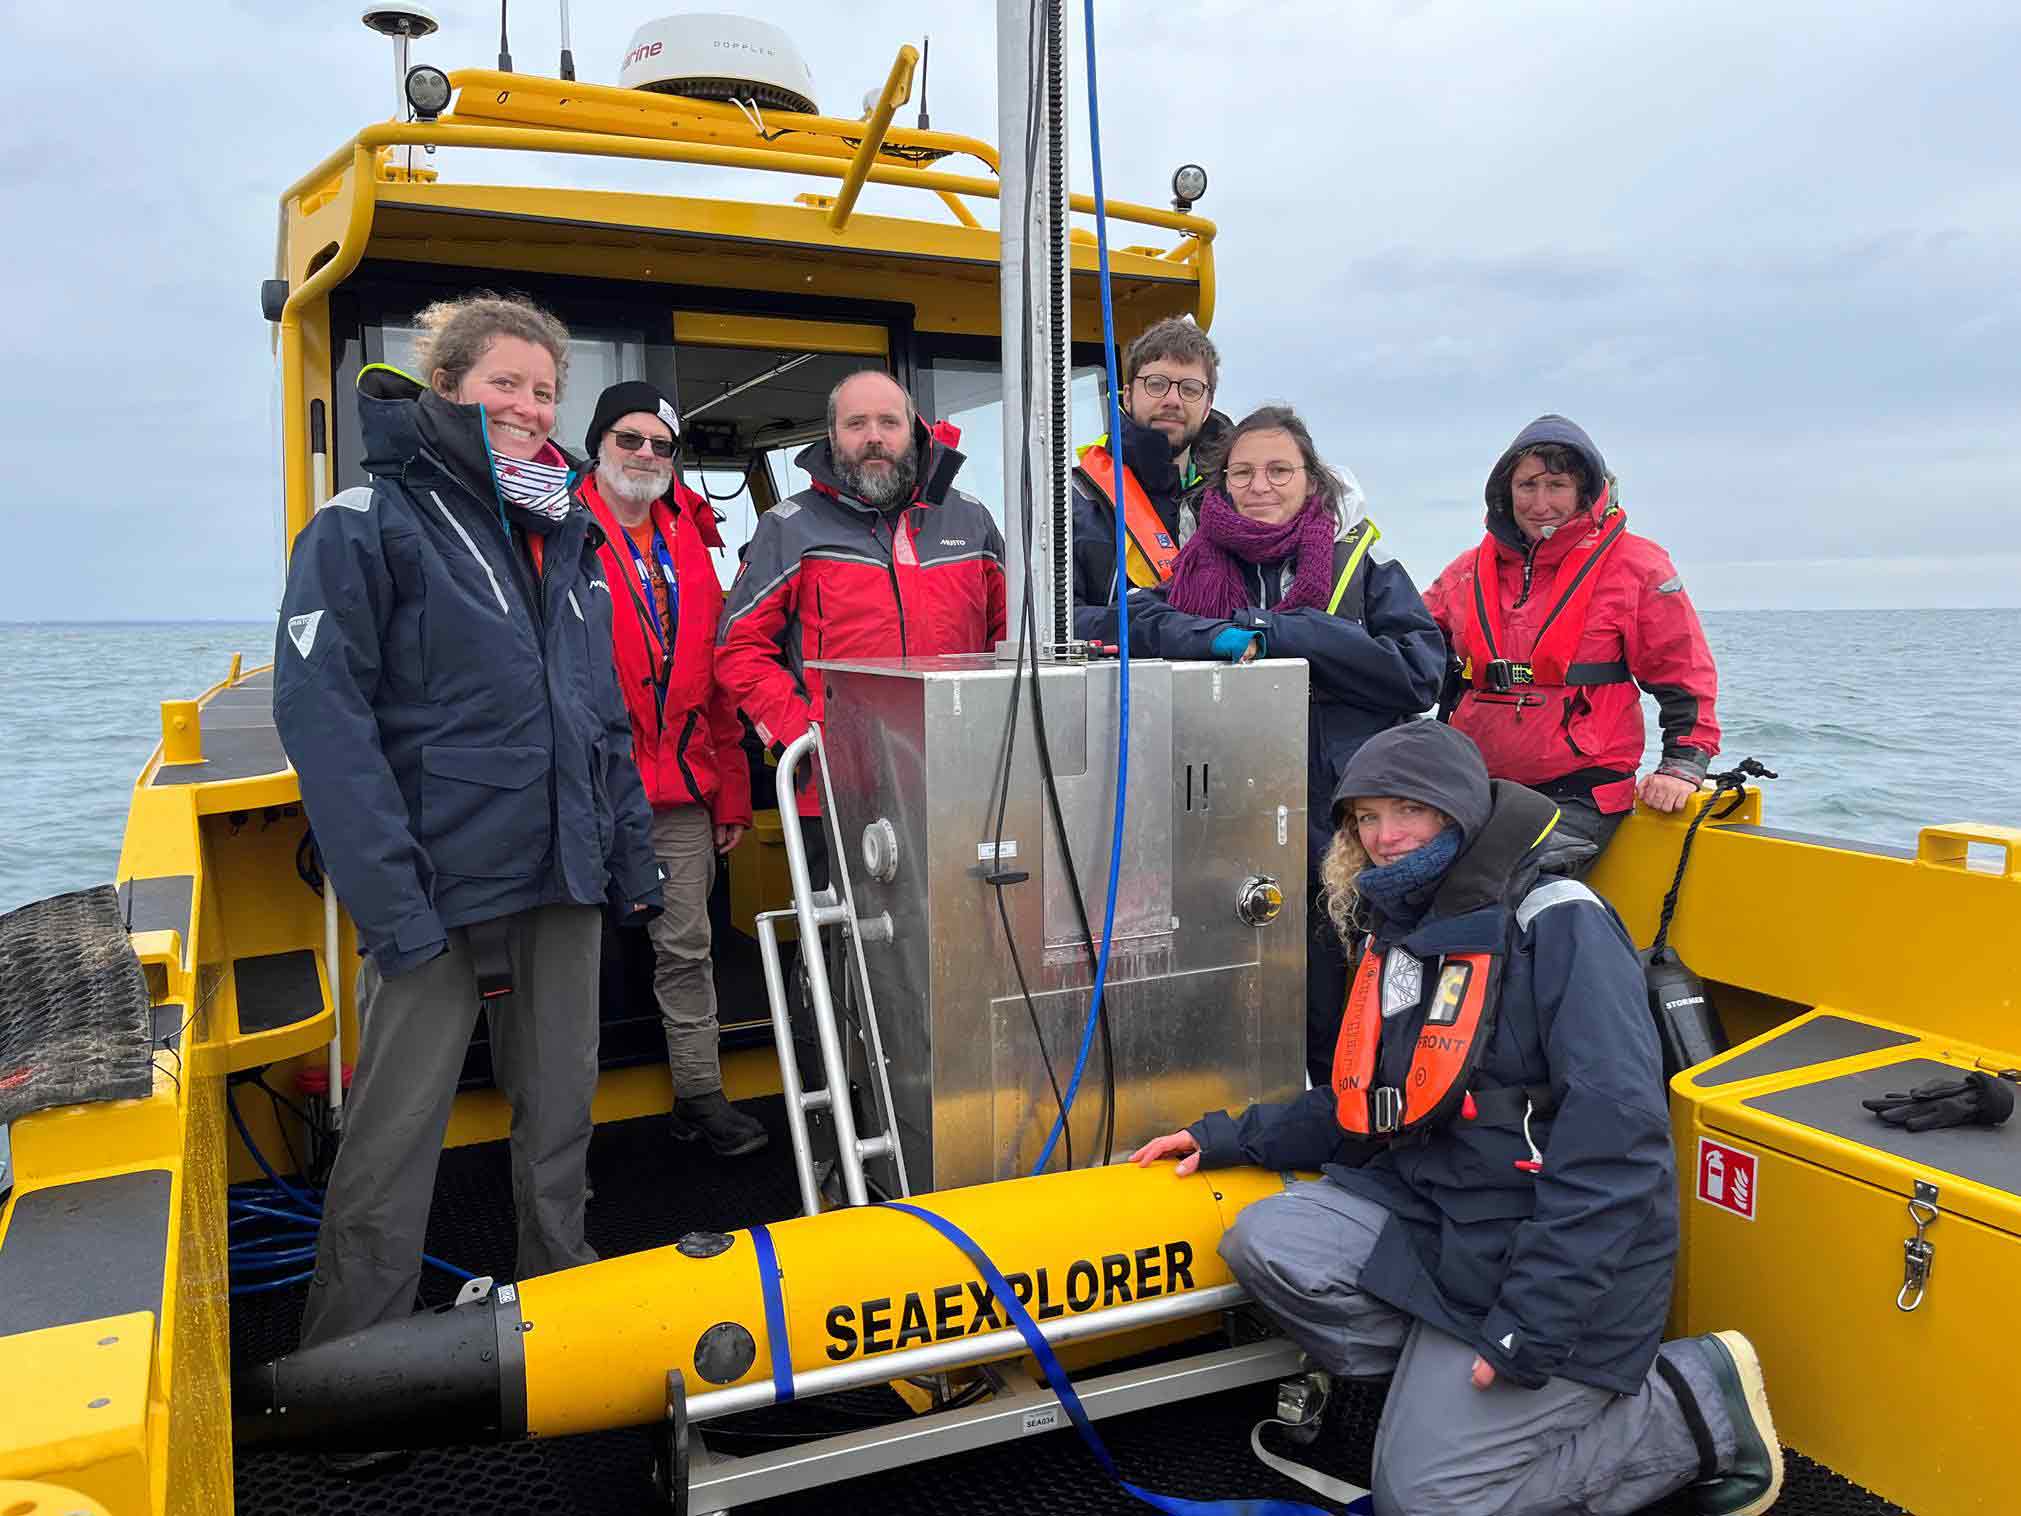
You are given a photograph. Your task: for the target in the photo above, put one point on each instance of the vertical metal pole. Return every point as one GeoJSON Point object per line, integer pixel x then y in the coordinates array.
{"type": "Point", "coordinates": [1033, 222]}
{"type": "Point", "coordinates": [1056, 610]}
{"type": "Point", "coordinates": [400, 91]}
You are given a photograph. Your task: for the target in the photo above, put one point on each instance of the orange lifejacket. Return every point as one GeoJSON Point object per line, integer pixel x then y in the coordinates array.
{"type": "Point", "coordinates": [1450, 1043]}
{"type": "Point", "coordinates": [1154, 549]}
{"type": "Point", "coordinates": [1485, 652]}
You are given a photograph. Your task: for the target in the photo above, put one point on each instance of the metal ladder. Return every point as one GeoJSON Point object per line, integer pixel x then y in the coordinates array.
{"type": "Point", "coordinates": [811, 911]}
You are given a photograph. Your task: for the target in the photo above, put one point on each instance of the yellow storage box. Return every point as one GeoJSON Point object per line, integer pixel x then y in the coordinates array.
{"type": "Point", "coordinates": [1876, 1269]}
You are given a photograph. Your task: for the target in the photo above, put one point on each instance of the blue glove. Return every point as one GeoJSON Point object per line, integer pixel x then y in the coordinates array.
{"type": "Point", "coordinates": [1234, 642]}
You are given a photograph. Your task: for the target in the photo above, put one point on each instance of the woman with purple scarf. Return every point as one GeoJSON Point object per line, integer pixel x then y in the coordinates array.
{"type": "Point", "coordinates": [1283, 566]}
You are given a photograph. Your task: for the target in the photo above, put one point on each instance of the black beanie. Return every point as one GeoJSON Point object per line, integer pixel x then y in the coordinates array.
{"type": "Point", "coordinates": [1426, 761]}
{"type": "Point", "coordinates": [621, 400]}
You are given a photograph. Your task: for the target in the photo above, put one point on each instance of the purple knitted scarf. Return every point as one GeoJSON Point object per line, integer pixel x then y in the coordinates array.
{"type": "Point", "coordinates": [1207, 580]}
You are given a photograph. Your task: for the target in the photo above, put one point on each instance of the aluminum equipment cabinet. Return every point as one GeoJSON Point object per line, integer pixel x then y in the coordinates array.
{"type": "Point", "coordinates": [1798, 1231]}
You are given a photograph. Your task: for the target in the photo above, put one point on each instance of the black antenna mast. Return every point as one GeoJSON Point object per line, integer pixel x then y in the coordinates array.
{"type": "Point", "coordinates": [925, 60]}
{"type": "Point", "coordinates": [567, 57]}
{"type": "Point", "coordinates": [504, 47]}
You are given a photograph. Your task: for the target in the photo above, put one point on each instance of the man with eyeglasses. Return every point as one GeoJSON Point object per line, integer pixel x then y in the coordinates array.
{"type": "Point", "coordinates": [686, 737]}
{"type": "Point", "coordinates": [1170, 374]}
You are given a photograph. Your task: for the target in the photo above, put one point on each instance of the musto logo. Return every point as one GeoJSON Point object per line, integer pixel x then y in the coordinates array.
{"type": "Point", "coordinates": [1726, 1178]}
{"type": "Point", "coordinates": [962, 1310]}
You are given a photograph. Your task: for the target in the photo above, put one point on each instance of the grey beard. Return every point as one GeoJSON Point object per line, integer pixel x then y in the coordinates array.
{"type": "Point", "coordinates": [633, 491]}
{"type": "Point", "coordinates": [883, 490]}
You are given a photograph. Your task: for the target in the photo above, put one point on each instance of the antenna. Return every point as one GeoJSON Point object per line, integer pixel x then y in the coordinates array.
{"type": "Point", "coordinates": [925, 61]}
{"type": "Point", "coordinates": [567, 57]}
{"type": "Point", "coordinates": [403, 23]}
{"type": "Point", "coordinates": [504, 47]}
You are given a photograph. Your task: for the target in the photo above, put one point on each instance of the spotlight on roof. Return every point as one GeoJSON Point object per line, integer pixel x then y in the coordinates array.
{"type": "Point", "coordinates": [1189, 183]}
{"type": "Point", "coordinates": [427, 91]}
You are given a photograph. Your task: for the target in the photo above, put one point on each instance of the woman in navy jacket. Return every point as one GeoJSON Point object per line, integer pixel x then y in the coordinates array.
{"type": "Point", "coordinates": [443, 685]}
{"type": "Point", "coordinates": [1283, 565]}
{"type": "Point", "coordinates": [1498, 1218]}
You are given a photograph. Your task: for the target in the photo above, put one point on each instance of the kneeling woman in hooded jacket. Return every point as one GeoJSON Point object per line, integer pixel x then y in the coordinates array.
{"type": "Point", "coordinates": [1284, 565]}
{"type": "Point", "coordinates": [444, 687]}
{"type": "Point", "coordinates": [1498, 1218]}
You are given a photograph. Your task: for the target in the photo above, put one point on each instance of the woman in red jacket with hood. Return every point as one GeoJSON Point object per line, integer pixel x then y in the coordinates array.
{"type": "Point", "coordinates": [686, 733]}
{"type": "Point", "coordinates": [1554, 620]}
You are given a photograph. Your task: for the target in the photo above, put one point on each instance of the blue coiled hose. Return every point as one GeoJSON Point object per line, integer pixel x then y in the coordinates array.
{"type": "Point", "coordinates": [272, 1225]}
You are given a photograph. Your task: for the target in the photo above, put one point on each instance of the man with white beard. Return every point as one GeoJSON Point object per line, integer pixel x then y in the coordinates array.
{"type": "Point", "coordinates": [686, 736]}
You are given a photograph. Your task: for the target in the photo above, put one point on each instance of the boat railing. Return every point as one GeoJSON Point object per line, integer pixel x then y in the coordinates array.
{"type": "Point", "coordinates": [525, 113]}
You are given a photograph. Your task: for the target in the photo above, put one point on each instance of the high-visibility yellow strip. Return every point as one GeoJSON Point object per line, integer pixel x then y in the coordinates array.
{"type": "Point", "coordinates": [1353, 563]}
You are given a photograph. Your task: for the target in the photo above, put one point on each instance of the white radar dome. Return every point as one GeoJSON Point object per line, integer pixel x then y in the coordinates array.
{"type": "Point", "coordinates": [719, 58]}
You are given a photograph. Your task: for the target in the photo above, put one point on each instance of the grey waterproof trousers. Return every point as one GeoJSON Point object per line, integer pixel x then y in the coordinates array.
{"type": "Point", "coordinates": [1445, 1448]}
{"type": "Point", "coordinates": [684, 979]}
{"type": "Point", "coordinates": [416, 1030]}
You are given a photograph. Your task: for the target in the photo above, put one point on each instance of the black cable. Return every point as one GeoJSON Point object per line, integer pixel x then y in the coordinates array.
{"type": "Point", "coordinates": [1734, 782]}
{"type": "Point", "coordinates": [998, 876]}
{"type": "Point", "coordinates": [309, 861]}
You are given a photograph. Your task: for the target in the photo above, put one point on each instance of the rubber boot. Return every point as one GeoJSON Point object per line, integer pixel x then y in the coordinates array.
{"type": "Point", "coordinates": [1747, 1483]}
{"type": "Point", "coordinates": [729, 1132]}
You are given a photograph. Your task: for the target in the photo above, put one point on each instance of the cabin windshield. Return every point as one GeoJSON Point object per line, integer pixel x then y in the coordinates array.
{"type": "Point", "coordinates": [751, 385]}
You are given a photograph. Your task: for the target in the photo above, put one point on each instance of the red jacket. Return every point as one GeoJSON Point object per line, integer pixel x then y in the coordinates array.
{"type": "Point", "coordinates": [686, 736]}
{"type": "Point", "coordinates": [828, 576]}
{"type": "Point", "coordinates": [1572, 738]}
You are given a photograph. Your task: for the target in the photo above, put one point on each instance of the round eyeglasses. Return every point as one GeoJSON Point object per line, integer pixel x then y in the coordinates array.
{"type": "Point", "coordinates": [1158, 386]}
{"type": "Point", "coordinates": [1241, 475]}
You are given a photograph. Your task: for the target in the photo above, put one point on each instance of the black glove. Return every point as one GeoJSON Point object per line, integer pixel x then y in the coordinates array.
{"type": "Point", "coordinates": [1975, 1100]}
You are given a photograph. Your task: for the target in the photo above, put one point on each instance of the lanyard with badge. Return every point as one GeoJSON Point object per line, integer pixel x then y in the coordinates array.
{"type": "Point", "coordinates": [645, 571]}
{"type": "Point", "coordinates": [649, 611]}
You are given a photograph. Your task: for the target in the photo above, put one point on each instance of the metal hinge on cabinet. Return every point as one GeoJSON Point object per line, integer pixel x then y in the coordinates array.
{"type": "Point", "coordinates": [1918, 1253]}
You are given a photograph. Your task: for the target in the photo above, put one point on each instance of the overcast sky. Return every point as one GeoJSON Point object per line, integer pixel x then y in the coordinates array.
{"type": "Point", "coordinates": [1767, 255]}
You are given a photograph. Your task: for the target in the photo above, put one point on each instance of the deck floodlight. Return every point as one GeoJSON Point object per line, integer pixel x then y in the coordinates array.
{"type": "Point", "coordinates": [427, 91]}
{"type": "Point", "coordinates": [1189, 183]}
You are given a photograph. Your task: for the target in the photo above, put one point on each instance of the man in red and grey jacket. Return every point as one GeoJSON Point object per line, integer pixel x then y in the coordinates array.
{"type": "Point", "coordinates": [665, 601]}
{"type": "Point", "coordinates": [880, 558]}
{"type": "Point", "coordinates": [1554, 620]}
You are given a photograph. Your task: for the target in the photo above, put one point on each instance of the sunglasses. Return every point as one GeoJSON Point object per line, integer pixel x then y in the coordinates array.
{"type": "Point", "coordinates": [631, 442]}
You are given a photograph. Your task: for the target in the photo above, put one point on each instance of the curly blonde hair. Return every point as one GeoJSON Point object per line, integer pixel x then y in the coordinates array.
{"type": "Point", "coordinates": [455, 334]}
{"type": "Point", "coordinates": [1338, 870]}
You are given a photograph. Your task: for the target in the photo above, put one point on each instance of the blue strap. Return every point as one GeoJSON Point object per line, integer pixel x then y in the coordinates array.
{"type": "Point", "coordinates": [775, 1314]}
{"type": "Point", "coordinates": [1062, 1386]}
{"type": "Point", "coordinates": [670, 578]}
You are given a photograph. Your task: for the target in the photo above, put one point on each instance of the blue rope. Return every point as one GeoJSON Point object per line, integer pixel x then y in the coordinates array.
{"type": "Point", "coordinates": [1122, 601]}
{"type": "Point", "coordinates": [1058, 1382]}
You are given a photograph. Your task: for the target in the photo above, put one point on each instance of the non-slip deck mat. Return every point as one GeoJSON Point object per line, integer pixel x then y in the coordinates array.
{"type": "Point", "coordinates": [74, 1021]}
{"type": "Point", "coordinates": [649, 1191]}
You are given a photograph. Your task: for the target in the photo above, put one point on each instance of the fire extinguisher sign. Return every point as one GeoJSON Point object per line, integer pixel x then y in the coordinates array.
{"type": "Point", "coordinates": [1726, 1178]}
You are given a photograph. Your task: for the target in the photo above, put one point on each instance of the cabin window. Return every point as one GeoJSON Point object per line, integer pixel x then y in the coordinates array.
{"type": "Point", "coordinates": [595, 363]}
{"type": "Point", "coordinates": [969, 393]}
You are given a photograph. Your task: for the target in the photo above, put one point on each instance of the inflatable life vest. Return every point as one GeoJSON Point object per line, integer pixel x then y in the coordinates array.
{"type": "Point", "coordinates": [1455, 1033]}
{"type": "Point", "coordinates": [1458, 1022]}
{"type": "Point", "coordinates": [1485, 647]}
{"type": "Point", "coordinates": [1152, 547]}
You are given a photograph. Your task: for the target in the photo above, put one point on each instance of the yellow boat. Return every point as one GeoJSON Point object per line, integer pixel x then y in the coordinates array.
{"type": "Point", "coordinates": [1838, 968]}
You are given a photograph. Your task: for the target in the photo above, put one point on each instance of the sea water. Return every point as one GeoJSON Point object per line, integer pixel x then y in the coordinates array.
{"type": "Point", "coordinates": [1878, 722]}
